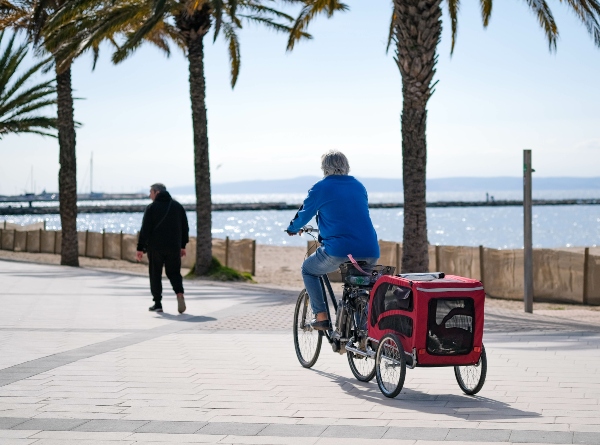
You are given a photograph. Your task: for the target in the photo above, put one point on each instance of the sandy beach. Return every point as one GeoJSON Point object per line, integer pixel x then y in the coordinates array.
{"type": "Point", "coordinates": [279, 267]}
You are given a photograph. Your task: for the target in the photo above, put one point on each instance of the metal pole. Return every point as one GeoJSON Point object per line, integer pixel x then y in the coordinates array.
{"type": "Point", "coordinates": [91, 171]}
{"type": "Point", "coordinates": [527, 232]}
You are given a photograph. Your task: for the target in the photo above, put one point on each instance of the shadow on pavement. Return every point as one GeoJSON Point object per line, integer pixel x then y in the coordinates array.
{"type": "Point", "coordinates": [183, 318]}
{"type": "Point", "coordinates": [460, 406]}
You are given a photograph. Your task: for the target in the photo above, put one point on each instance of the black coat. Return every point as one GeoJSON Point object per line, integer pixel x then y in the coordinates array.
{"type": "Point", "coordinates": [163, 231]}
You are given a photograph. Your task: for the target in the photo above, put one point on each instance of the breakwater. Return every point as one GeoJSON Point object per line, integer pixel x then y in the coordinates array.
{"type": "Point", "coordinates": [139, 208]}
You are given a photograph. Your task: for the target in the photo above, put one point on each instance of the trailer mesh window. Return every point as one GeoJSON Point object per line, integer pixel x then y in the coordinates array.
{"type": "Point", "coordinates": [450, 326]}
{"type": "Point", "coordinates": [398, 323]}
{"type": "Point", "coordinates": [390, 297]}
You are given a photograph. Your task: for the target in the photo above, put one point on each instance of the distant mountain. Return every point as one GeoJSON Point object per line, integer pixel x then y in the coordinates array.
{"type": "Point", "coordinates": [495, 184]}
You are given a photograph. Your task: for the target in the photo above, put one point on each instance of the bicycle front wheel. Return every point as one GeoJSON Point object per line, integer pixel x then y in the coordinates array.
{"type": "Point", "coordinates": [307, 340]}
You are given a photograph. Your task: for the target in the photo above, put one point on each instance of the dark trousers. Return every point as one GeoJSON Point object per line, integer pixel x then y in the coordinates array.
{"type": "Point", "coordinates": [172, 262]}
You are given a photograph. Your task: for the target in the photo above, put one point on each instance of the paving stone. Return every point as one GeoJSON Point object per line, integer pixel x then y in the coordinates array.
{"type": "Point", "coordinates": [111, 425]}
{"type": "Point", "coordinates": [157, 426]}
{"type": "Point", "coordinates": [542, 384]}
{"type": "Point", "coordinates": [541, 436]}
{"type": "Point", "coordinates": [473, 435]}
{"type": "Point", "coordinates": [8, 422]}
{"type": "Point", "coordinates": [50, 424]}
{"type": "Point", "coordinates": [395, 432]}
{"type": "Point", "coordinates": [360, 432]}
{"type": "Point", "coordinates": [233, 428]}
{"type": "Point", "coordinates": [293, 430]}
{"type": "Point", "coordinates": [586, 438]}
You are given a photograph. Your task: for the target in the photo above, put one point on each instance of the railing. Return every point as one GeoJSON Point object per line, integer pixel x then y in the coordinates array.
{"type": "Point", "coordinates": [558, 275]}
{"type": "Point", "coordinates": [237, 254]}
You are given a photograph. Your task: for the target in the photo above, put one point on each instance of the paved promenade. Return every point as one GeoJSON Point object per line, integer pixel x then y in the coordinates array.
{"type": "Point", "coordinates": [82, 361]}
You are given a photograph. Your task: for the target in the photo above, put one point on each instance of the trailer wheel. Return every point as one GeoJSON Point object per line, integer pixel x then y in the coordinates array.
{"type": "Point", "coordinates": [471, 378]}
{"type": "Point", "coordinates": [390, 366]}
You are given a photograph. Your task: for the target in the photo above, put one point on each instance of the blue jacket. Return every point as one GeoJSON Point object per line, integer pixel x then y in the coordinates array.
{"type": "Point", "coordinates": [342, 209]}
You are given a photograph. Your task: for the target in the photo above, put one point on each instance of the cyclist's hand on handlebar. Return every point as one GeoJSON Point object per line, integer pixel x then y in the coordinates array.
{"type": "Point", "coordinates": [297, 233]}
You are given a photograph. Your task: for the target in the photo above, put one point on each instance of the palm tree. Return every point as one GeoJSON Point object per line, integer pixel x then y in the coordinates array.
{"type": "Point", "coordinates": [415, 30]}
{"type": "Point", "coordinates": [185, 23]}
{"type": "Point", "coordinates": [29, 17]}
{"type": "Point", "coordinates": [20, 101]}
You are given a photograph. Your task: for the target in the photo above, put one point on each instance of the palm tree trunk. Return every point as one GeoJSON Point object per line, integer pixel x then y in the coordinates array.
{"type": "Point", "coordinates": [67, 176]}
{"type": "Point", "coordinates": [201, 161]}
{"type": "Point", "coordinates": [417, 31]}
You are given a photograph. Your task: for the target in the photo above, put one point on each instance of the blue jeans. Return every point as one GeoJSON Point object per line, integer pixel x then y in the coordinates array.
{"type": "Point", "coordinates": [321, 263]}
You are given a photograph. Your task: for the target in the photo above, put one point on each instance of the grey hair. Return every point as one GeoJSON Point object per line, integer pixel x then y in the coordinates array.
{"type": "Point", "coordinates": [158, 187]}
{"type": "Point", "coordinates": [334, 163]}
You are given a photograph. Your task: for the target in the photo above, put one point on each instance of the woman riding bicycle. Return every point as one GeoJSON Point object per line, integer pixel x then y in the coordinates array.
{"type": "Point", "coordinates": [340, 204]}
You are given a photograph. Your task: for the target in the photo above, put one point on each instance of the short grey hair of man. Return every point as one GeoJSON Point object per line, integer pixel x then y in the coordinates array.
{"type": "Point", "coordinates": [158, 187]}
{"type": "Point", "coordinates": [334, 163]}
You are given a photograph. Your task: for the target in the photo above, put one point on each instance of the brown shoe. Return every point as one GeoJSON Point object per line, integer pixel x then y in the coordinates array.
{"type": "Point", "coordinates": [180, 304]}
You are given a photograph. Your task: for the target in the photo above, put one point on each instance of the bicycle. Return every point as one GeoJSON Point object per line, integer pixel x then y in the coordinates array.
{"type": "Point", "coordinates": [349, 334]}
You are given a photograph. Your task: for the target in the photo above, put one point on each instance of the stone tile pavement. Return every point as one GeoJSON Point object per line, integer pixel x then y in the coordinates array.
{"type": "Point", "coordinates": [82, 361]}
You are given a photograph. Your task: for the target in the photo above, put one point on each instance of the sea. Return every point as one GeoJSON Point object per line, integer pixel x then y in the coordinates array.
{"type": "Point", "coordinates": [495, 227]}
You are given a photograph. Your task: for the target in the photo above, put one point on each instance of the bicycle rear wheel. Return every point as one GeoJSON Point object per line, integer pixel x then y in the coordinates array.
{"type": "Point", "coordinates": [307, 340]}
{"type": "Point", "coordinates": [362, 367]}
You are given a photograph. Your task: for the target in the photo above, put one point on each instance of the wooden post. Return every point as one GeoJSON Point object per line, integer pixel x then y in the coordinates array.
{"type": "Point", "coordinates": [437, 258]}
{"type": "Point", "coordinates": [102, 249]}
{"type": "Point", "coordinates": [86, 244]}
{"type": "Point", "coordinates": [398, 259]}
{"type": "Point", "coordinates": [253, 257]}
{"type": "Point", "coordinates": [121, 246]}
{"type": "Point", "coordinates": [527, 233]}
{"type": "Point", "coordinates": [40, 239]}
{"type": "Point", "coordinates": [586, 265]}
{"type": "Point", "coordinates": [481, 264]}
{"type": "Point", "coordinates": [226, 251]}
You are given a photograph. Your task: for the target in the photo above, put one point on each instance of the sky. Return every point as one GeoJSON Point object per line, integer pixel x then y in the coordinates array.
{"type": "Point", "coordinates": [501, 92]}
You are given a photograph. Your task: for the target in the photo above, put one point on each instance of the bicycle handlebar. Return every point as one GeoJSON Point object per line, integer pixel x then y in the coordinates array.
{"type": "Point", "coordinates": [306, 229]}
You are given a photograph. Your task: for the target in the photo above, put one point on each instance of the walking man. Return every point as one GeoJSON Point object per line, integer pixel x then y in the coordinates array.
{"type": "Point", "coordinates": [163, 237]}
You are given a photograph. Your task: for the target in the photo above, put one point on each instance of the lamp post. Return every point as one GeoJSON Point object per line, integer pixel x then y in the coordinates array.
{"type": "Point", "coordinates": [527, 232]}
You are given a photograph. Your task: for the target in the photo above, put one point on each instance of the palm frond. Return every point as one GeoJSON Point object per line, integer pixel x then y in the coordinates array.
{"type": "Point", "coordinates": [588, 12]}
{"type": "Point", "coordinates": [261, 9]}
{"type": "Point", "coordinates": [391, 34]}
{"type": "Point", "coordinates": [135, 38]}
{"type": "Point", "coordinates": [234, 51]}
{"type": "Point", "coordinates": [486, 11]}
{"type": "Point", "coordinates": [21, 99]}
{"type": "Point", "coordinates": [8, 93]}
{"type": "Point", "coordinates": [541, 9]}
{"type": "Point", "coordinates": [29, 125]}
{"type": "Point", "coordinates": [270, 23]}
{"type": "Point", "coordinates": [217, 6]}
{"type": "Point", "coordinates": [311, 9]}
{"type": "Point", "coordinates": [453, 8]}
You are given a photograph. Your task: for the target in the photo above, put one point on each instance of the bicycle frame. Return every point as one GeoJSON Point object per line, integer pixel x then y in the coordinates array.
{"type": "Point", "coordinates": [328, 291]}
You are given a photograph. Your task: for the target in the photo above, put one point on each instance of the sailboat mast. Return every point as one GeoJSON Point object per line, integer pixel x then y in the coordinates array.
{"type": "Point", "coordinates": [91, 171]}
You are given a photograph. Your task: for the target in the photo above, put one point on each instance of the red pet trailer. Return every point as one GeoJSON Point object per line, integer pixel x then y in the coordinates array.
{"type": "Point", "coordinates": [427, 319]}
